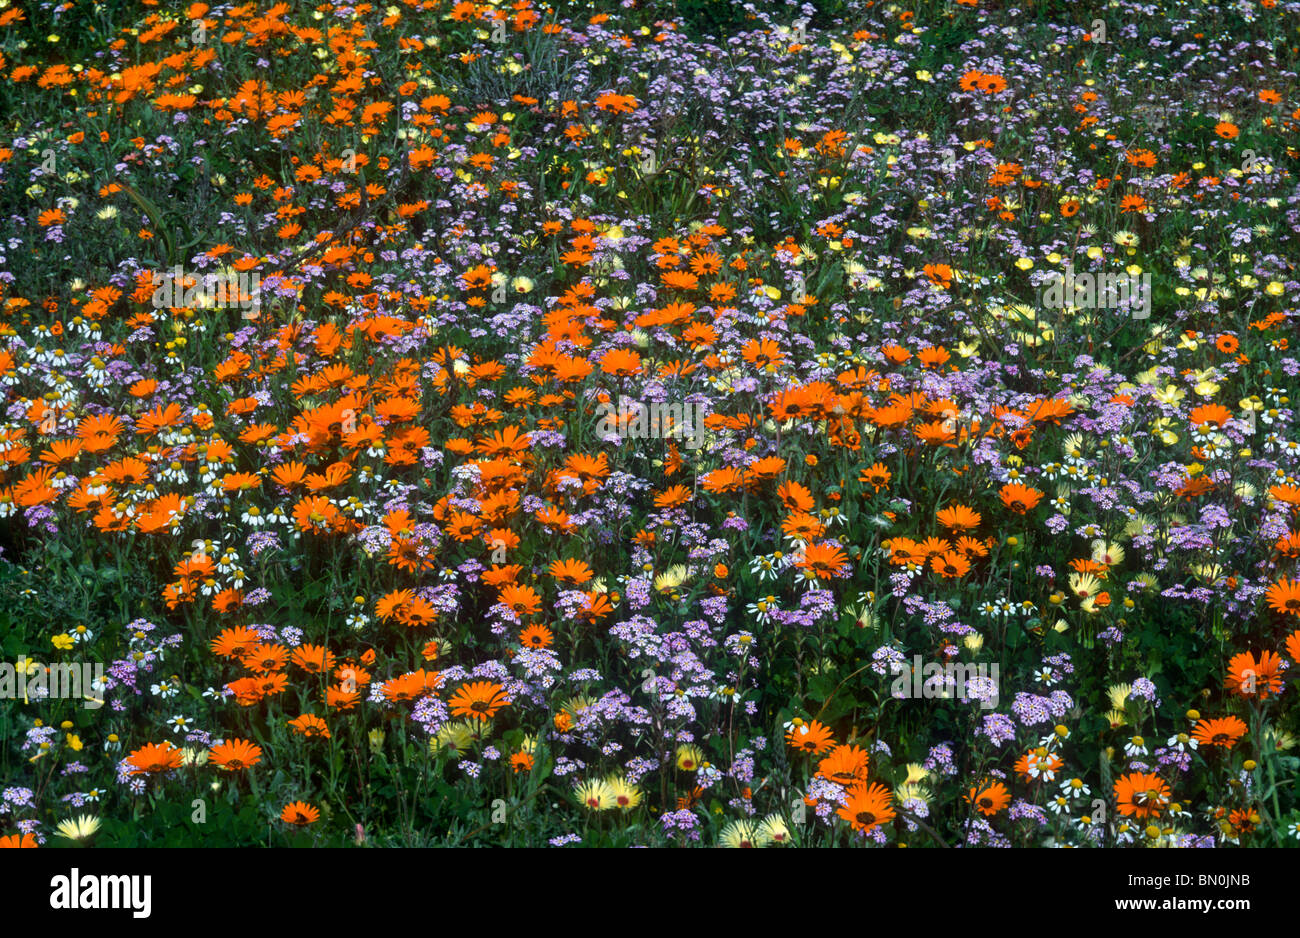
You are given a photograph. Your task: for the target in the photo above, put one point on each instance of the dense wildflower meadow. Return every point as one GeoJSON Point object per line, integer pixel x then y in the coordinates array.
{"type": "Point", "coordinates": [646, 423]}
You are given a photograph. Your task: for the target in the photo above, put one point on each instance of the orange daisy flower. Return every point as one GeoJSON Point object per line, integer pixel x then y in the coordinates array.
{"type": "Point", "coordinates": [314, 658]}
{"type": "Point", "coordinates": [867, 807]}
{"type": "Point", "coordinates": [989, 797]}
{"type": "Point", "coordinates": [536, 636]}
{"type": "Point", "coordinates": [1254, 678]}
{"type": "Point", "coordinates": [822, 561]}
{"type": "Point", "coordinates": [1141, 795]}
{"type": "Point", "coordinates": [300, 814]}
{"type": "Point", "coordinates": [1284, 596]}
{"type": "Point", "coordinates": [479, 700]}
{"type": "Point", "coordinates": [950, 564]}
{"type": "Point", "coordinates": [154, 759]}
{"type": "Point", "coordinates": [876, 475]}
{"type": "Point", "coordinates": [310, 725]}
{"type": "Point", "coordinates": [1224, 732]}
{"type": "Point", "coordinates": [812, 737]}
{"type": "Point", "coordinates": [845, 765]}
{"type": "Point", "coordinates": [958, 518]}
{"type": "Point", "coordinates": [1019, 498]}
{"type": "Point", "coordinates": [235, 755]}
